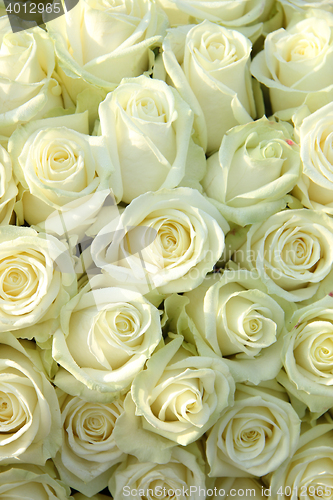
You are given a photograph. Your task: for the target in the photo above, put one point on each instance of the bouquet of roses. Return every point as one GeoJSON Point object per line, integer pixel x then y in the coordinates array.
{"type": "Point", "coordinates": [166, 249]}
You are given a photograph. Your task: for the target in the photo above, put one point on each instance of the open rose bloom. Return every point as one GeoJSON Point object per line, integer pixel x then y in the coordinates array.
{"type": "Point", "coordinates": [166, 250]}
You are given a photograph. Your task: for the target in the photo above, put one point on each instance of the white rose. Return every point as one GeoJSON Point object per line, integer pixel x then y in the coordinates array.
{"type": "Point", "coordinates": [88, 448]}
{"type": "Point", "coordinates": [30, 414]}
{"type": "Point", "coordinates": [90, 56]}
{"type": "Point", "coordinates": [214, 77]}
{"type": "Point", "coordinates": [175, 400]}
{"type": "Point", "coordinates": [182, 477]}
{"type": "Point", "coordinates": [8, 189]}
{"type": "Point", "coordinates": [295, 63]}
{"type": "Point", "coordinates": [315, 188]}
{"type": "Point", "coordinates": [255, 436]}
{"type": "Point", "coordinates": [57, 162]}
{"type": "Point", "coordinates": [255, 168]}
{"type": "Point", "coordinates": [246, 17]}
{"type": "Point", "coordinates": [290, 7]}
{"type": "Point", "coordinates": [234, 315]}
{"type": "Point", "coordinates": [307, 356]}
{"type": "Point", "coordinates": [36, 280]}
{"type": "Point", "coordinates": [26, 77]}
{"type": "Point", "coordinates": [148, 129]}
{"type": "Point", "coordinates": [167, 240]}
{"type": "Point", "coordinates": [292, 252]}
{"type": "Point", "coordinates": [308, 473]}
{"type": "Point", "coordinates": [106, 336]}
{"type": "Point", "coordinates": [241, 486]}
{"type": "Point", "coordinates": [25, 482]}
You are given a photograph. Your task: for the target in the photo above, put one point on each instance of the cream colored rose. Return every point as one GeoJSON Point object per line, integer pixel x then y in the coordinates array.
{"type": "Point", "coordinates": [257, 165]}
{"type": "Point", "coordinates": [167, 240]}
{"type": "Point", "coordinates": [214, 78]}
{"type": "Point", "coordinates": [315, 187]}
{"type": "Point", "coordinates": [241, 486]}
{"type": "Point", "coordinates": [36, 279]}
{"type": "Point", "coordinates": [307, 475]}
{"type": "Point", "coordinates": [30, 415]}
{"type": "Point", "coordinates": [26, 77]}
{"type": "Point", "coordinates": [234, 315]}
{"type": "Point", "coordinates": [290, 7]}
{"type": "Point", "coordinates": [234, 318]}
{"type": "Point", "coordinates": [24, 482]}
{"type": "Point", "coordinates": [256, 435]}
{"type": "Point", "coordinates": [175, 400]}
{"type": "Point", "coordinates": [106, 336]}
{"type": "Point", "coordinates": [246, 17]}
{"type": "Point", "coordinates": [182, 477]}
{"type": "Point", "coordinates": [56, 162]}
{"type": "Point", "coordinates": [295, 63]}
{"type": "Point", "coordinates": [88, 448]}
{"type": "Point", "coordinates": [292, 252]}
{"type": "Point", "coordinates": [148, 130]}
{"type": "Point", "coordinates": [99, 42]}
{"type": "Point", "coordinates": [8, 189]}
{"type": "Point", "coordinates": [307, 356]}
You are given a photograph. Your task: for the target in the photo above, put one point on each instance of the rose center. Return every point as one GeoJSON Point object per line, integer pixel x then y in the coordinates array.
{"type": "Point", "coordinates": [12, 415]}
{"type": "Point", "coordinates": [6, 410]}
{"type": "Point", "coordinates": [60, 159]}
{"type": "Point", "coordinates": [323, 354]}
{"type": "Point", "coordinates": [124, 325]}
{"type": "Point", "coordinates": [252, 325]}
{"type": "Point", "coordinates": [14, 279]}
{"type": "Point", "coordinates": [91, 423]}
{"type": "Point", "coordinates": [96, 428]}
{"type": "Point", "coordinates": [250, 436]}
{"type": "Point", "coordinates": [250, 433]}
{"type": "Point", "coordinates": [94, 423]}
{"type": "Point", "coordinates": [250, 439]}
{"type": "Point", "coordinates": [168, 240]}
{"type": "Point", "coordinates": [219, 49]}
{"type": "Point", "coordinates": [174, 240]}
{"type": "Point", "coordinates": [17, 281]}
{"type": "Point", "coordinates": [300, 251]}
{"type": "Point", "coordinates": [272, 150]}
{"type": "Point", "coordinates": [61, 156]}
{"type": "Point", "coordinates": [116, 334]}
{"type": "Point", "coordinates": [301, 48]}
{"type": "Point", "coordinates": [181, 402]}
{"type": "Point", "coordinates": [146, 108]}
{"type": "Point", "coordinates": [216, 51]}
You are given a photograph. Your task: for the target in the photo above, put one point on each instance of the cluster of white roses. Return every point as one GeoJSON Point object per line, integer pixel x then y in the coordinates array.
{"type": "Point", "coordinates": [166, 251]}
